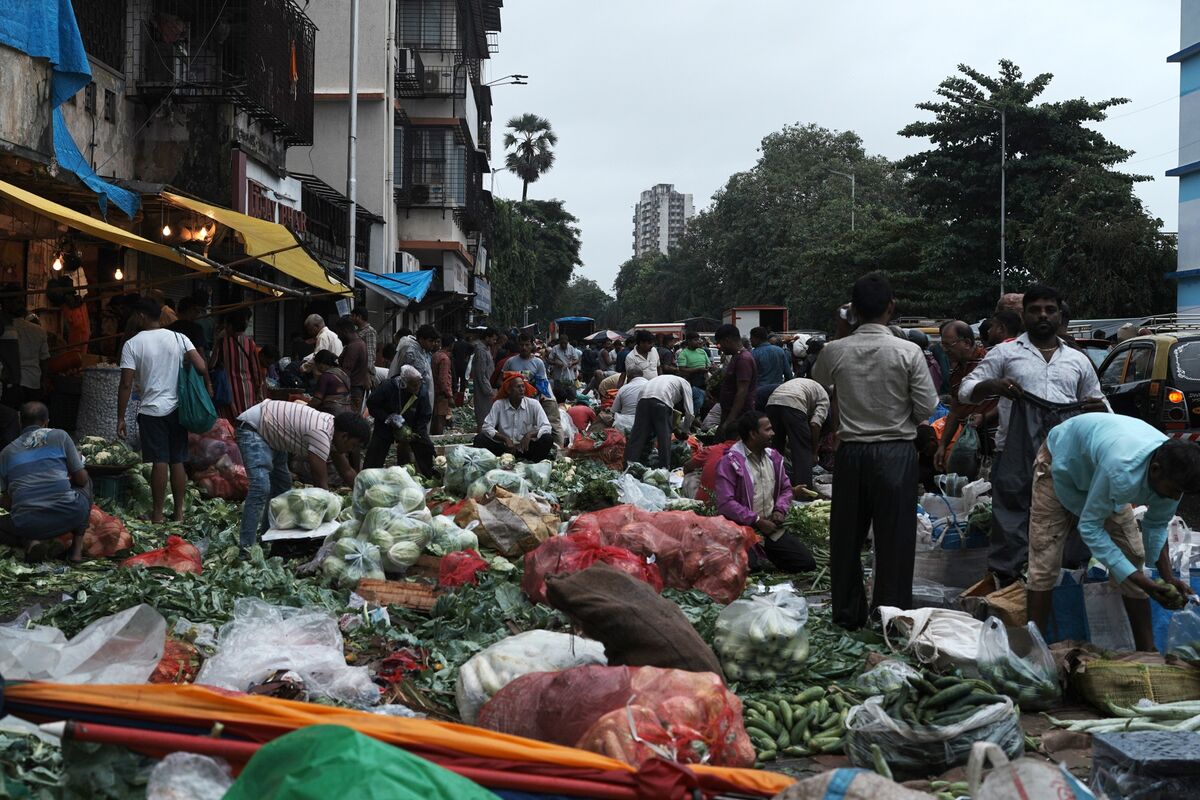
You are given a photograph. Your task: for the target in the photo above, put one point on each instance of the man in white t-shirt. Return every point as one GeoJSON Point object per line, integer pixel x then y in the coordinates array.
{"type": "Point", "coordinates": [151, 361]}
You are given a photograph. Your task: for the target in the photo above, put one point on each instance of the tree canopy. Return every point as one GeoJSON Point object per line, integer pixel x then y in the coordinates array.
{"type": "Point", "coordinates": [530, 143]}
{"type": "Point", "coordinates": [535, 250]}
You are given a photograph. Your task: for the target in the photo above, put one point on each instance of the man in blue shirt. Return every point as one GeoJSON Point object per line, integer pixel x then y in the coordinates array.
{"type": "Point", "coordinates": [774, 365]}
{"type": "Point", "coordinates": [45, 484]}
{"type": "Point", "coordinates": [1091, 470]}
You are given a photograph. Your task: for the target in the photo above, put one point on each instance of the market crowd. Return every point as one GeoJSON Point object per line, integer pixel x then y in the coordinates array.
{"type": "Point", "coordinates": [882, 413]}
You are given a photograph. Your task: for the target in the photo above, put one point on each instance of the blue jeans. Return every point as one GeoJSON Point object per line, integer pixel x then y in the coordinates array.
{"type": "Point", "coordinates": [697, 400]}
{"type": "Point", "coordinates": [268, 475]}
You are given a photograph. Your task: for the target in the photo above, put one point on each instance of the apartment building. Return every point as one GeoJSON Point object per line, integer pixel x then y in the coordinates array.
{"type": "Point", "coordinates": [659, 219]}
{"type": "Point", "coordinates": [424, 143]}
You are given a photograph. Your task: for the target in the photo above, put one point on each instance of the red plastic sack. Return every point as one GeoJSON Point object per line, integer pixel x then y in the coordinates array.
{"type": "Point", "coordinates": [179, 555]}
{"type": "Point", "coordinates": [611, 451]}
{"type": "Point", "coordinates": [688, 717]}
{"type": "Point", "coordinates": [691, 551]}
{"type": "Point", "coordinates": [105, 535]}
{"type": "Point", "coordinates": [224, 479]}
{"type": "Point", "coordinates": [206, 449]}
{"type": "Point", "coordinates": [459, 567]}
{"type": "Point", "coordinates": [179, 664]}
{"type": "Point", "coordinates": [563, 555]}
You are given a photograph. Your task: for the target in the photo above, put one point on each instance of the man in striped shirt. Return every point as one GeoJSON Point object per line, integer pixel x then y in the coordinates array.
{"type": "Point", "coordinates": [269, 433]}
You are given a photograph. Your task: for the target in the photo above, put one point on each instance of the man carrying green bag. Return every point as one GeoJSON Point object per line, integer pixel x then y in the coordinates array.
{"type": "Point", "coordinates": [156, 361]}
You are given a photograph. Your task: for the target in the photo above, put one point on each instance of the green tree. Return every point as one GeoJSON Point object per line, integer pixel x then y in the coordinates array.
{"type": "Point", "coordinates": [535, 250]}
{"type": "Point", "coordinates": [956, 184]}
{"type": "Point", "coordinates": [530, 143]}
{"type": "Point", "coordinates": [584, 297]}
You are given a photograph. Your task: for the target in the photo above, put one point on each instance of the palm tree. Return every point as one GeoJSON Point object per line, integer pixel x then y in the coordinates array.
{"type": "Point", "coordinates": [529, 141]}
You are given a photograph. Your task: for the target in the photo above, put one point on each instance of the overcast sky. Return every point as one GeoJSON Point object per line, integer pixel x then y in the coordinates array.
{"type": "Point", "coordinates": [681, 91]}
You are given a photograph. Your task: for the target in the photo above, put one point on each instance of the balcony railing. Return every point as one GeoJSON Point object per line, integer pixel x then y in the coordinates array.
{"type": "Point", "coordinates": [256, 54]}
{"type": "Point", "coordinates": [102, 27]}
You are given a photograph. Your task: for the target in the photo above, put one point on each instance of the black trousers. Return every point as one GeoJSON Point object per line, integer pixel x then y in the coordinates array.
{"type": "Point", "coordinates": [539, 448]}
{"type": "Point", "coordinates": [788, 554]}
{"type": "Point", "coordinates": [419, 450]}
{"type": "Point", "coordinates": [875, 484]}
{"type": "Point", "coordinates": [651, 420]}
{"type": "Point", "coordinates": [793, 431]}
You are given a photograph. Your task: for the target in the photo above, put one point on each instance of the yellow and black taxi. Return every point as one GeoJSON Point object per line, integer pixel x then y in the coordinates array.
{"type": "Point", "coordinates": [1156, 379]}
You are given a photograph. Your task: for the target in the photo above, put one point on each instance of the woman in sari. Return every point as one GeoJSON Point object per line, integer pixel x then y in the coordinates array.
{"type": "Point", "coordinates": [237, 354]}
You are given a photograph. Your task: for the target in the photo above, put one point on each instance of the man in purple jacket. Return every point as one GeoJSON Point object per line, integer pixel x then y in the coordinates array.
{"type": "Point", "coordinates": [753, 490]}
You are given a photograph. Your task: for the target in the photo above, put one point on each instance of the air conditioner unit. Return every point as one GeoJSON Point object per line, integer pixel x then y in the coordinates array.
{"type": "Point", "coordinates": [420, 194]}
{"type": "Point", "coordinates": [432, 82]}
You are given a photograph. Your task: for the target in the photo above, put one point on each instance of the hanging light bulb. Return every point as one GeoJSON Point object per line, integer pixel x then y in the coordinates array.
{"type": "Point", "coordinates": [58, 264]}
{"type": "Point", "coordinates": [119, 274]}
{"type": "Point", "coordinates": [166, 231]}
{"type": "Point", "coordinates": [201, 234]}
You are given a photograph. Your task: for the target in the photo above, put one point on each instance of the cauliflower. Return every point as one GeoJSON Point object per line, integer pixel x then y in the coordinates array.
{"type": "Point", "coordinates": [507, 460]}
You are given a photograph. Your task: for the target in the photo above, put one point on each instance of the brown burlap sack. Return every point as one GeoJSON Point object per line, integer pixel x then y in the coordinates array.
{"type": "Point", "coordinates": [636, 626]}
{"type": "Point", "coordinates": [513, 524]}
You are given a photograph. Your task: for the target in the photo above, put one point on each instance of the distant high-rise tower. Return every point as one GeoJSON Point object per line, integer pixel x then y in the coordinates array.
{"type": "Point", "coordinates": [659, 219]}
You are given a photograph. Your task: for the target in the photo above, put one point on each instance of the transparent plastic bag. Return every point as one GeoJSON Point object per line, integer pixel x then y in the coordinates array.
{"type": "Point", "coordinates": [1183, 633]}
{"type": "Point", "coordinates": [386, 487]}
{"type": "Point", "coordinates": [400, 535]}
{"type": "Point", "coordinates": [465, 465]}
{"type": "Point", "coordinates": [538, 475]}
{"type": "Point", "coordinates": [929, 749]}
{"type": "Point", "coordinates": [509, 481]}
{"type": "Point", "coordinates": [886, 676]}
{"type": "Point", "coordinates": [121, 648]}
{"type": "Point", "coordinates": [306, 509]}
{"type": "Point", "coordinates": [448, 537]}
{"type": "Point", "coordinates": [964, 458]}
{"type": "Point", "coordinates": [189, 776]}
{"type": "Point", "coordinates": [351, 560]}
{"type": "Point", "coordinates": [262, 639]}
{"type": "Point", "coordinates": [633, 492]}
{"type": "Point", "coordinates": [489, 671]}
{"type": "Point", "coordinates": [762, 638]}
{"type": "Point", "coordinates": [1020, 667]}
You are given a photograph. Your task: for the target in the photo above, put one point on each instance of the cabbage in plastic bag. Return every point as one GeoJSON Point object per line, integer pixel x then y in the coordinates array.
{"type": "Point", "coordinates": [646, 497]}
{"type": "Point", "coordinates": [465, 465]}
{"type": "Point", "coordinates": [510, 481]}
{"type": "Point", "coordinates": [448, 537]}
{"type": "Point", "coordinates": [538, 475]}
{"type": "Point", "coordinates": [762, 638]}
{"type": "Point", "coordinates": [386, 487]}
{"type": "Point", "coordinates": [400, 535]}
{"type": "Point", "coordinates": [307, 509]}
{"type": "Point", "coordinates": [350, 561]}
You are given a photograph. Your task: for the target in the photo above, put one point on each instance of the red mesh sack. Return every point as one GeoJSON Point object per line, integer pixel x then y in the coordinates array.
{"type": "Point", "coordinates": [608, 519]}
{"type": "Point", "coordinates": [206, 449]}
{"type": "Point", "coordinates": [179, 555]}
{"type": "Point", "coordinates": [459, 567]}
{"type": "Point", "coordinates": [105, 535]}
{"type": "Point", "coordinates": [224, 479]}
{"type": "Point", "coordinates": [682, 716]}
{"type": "Point", "coordinates": [577, 551]}
{"type": "Point", "coordinates": [611, 451]}
{"type": "Point", "coordinates": [179, 664]}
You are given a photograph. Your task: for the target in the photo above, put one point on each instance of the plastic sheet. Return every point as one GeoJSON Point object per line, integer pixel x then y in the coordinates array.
{"type": "Point", "coordinates": [122, 648]}
{"type": "Point", "coordinates": [929, 749]}
{"type": "Point", "coordinates": [688, 717]}
{"type": "Point", "coordinates": [307, 509]}
{"type": "Point", "coordinates": [762, 638]}
{"type": "Point", "coordinates": [563, 555]}
{"type": "Point", "coordinates": [635, 493]}
{"type": "Point", "coordinates": [262, 639]}
{"type": "Point", "coordinates": [178, 554]}
{"type": "Point", "coordinates": [465, 465]}
{"type": "Point", "coordinates": [189, 776]}
{"type": "Point", "coordinates": [1024, 670]}
{"type": "Point", "coordinates": [487, 672]}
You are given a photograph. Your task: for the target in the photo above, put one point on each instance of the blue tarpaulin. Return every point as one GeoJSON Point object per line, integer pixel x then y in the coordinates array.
{"type": "Point", "coordinates": [47, 29]}
{"type": "Point", "coordinates": [401, 288]}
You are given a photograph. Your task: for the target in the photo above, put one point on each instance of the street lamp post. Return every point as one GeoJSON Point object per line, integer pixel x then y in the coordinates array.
{"type": "Point", "coordinates": [1003, 181]}
{"type": "Point", "coordinates": [849, 175]}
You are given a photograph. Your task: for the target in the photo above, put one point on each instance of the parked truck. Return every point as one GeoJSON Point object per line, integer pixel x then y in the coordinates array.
{"type": "Point", "coordinates": [574, 327]}
{"type": "Point", "coordinates": [746, 318]}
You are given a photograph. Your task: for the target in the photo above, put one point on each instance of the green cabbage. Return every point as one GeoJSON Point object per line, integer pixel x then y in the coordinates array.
{"type": "Point", "coordinates": [465, 465]}
{"type": "Point", "coordinates": [448, 537]}
{"type": "Point", "coordinates": [401, 555]}
{"type": "Point", "coordinates": [385, 488]}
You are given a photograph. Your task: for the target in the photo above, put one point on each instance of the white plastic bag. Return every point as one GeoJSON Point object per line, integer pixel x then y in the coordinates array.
{"type": "Point", "coordinates": [400, 535]}
{"type": "Point", "coordinates": [351, 560]}
{"type": "Point", "coordinates": [928, 749]}
{"type": "Point", "coordinates": [886, 676]}
{"type": "Point", "coordinates": [939, 636]}
{"type": "Point", "coordinates": [488, 672]}
{"type": "Point", "coordinates": [632, 491]}
{"type": "Point", "coordinates": [189, 776]}
{"type": "Point", "coordinates": [262, 639]}
{"type": "Point", "coordinates": [386, 487]}
{"type": "Point", "coordinates": [1024, 670]}
{"type": "Point", "coordinates": [465, 465]}
{"type": "Point", "coordinates": [1023, 777]}
{"type": "Point", "coordinates": [122, 648]}
{"type": "Point", "coordinates": [762, 638]}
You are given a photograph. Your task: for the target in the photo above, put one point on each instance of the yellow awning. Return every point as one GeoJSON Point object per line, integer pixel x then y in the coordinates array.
{"type": "Point", "coordinates": [98, 228]}
{"type": "Point", "coordinates": [268, 242]}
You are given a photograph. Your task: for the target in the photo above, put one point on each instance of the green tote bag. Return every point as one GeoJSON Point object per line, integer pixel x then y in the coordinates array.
{"type": "Point", "coordinates": [197, 414]}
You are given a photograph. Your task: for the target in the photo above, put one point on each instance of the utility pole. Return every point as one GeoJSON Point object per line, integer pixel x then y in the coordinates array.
{"type": "Point", "coordinates": [1003, 193]}
{"type": "Point", "coordinates": [352, 151]}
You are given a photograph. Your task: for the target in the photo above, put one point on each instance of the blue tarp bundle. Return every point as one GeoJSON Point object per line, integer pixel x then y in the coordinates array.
{"type": "Point", "coordinates": [399, 287]}
{"type": "Point", "coordinates": [47, 29]}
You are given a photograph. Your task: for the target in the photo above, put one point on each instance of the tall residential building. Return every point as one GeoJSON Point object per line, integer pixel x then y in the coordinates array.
{"type": "Point", "coordinates": [424, 141]}
{"type": "Point", "coordinates": [659, 219]}
{"type": "Point", "coordinates": [1188, 265]}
